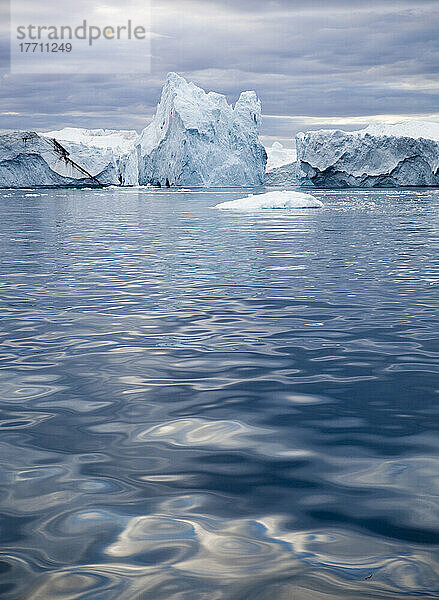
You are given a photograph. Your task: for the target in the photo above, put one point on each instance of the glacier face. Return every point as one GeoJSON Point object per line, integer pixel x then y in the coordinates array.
{"type": "Point", "coordinates": [378, 156]}
{"type": "Point", "coordinates": [197, 139]}
{"type": "Point", "coordinates": [28, 159]}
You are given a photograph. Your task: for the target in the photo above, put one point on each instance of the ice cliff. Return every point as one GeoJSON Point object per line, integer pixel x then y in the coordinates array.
{"type": "Point", "coordinates": [197, 139]}
{"type": "Point", "coordinates": [404, 154]}
{"type": "Point", "coordinates": [28, 159]}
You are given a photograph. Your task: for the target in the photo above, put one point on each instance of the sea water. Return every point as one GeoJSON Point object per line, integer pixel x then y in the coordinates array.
{"type": "Point", "coordinates": [202, 405]}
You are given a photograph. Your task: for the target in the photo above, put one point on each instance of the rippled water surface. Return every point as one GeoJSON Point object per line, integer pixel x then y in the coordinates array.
{"type": "Point", "coordinates": [205, 405]}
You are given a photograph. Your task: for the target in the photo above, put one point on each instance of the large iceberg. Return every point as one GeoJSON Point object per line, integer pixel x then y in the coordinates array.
{"type": "Point", "coordinates": [403, 154]}
{"type": "Point", "coordinates": [105, 153]}
{"type": "Point", "coordinates": [197, 139]}
{"type": "Point", "coordinates": [28, 159]}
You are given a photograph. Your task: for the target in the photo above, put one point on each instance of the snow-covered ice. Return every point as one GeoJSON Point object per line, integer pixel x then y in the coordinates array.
{"type": "Point", "coordinates": [118, 140]}
{"type": "Point", "coordinates": [428, 130]}
{"type": "Point", "coordinates": [197, 139]}
{"type": "Point", "coordinates": [272, 200]}
{"type": "Point", "coordinates": [404, 154]}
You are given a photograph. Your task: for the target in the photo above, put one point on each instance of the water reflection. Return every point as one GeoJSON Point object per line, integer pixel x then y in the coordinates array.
{"type": "Point", "coordinates": [203, 405]}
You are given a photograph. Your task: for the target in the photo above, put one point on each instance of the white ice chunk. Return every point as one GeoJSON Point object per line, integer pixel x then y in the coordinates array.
{"type": "Point", "coordinates": [284, 199]}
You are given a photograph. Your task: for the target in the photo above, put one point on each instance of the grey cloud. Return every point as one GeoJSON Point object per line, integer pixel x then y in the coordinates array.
{"type": "Point", "coordinates": [337, 58]}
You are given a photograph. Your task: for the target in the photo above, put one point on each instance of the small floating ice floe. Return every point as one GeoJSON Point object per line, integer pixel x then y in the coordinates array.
{"type": "Point", "coordinates": [272, 200]}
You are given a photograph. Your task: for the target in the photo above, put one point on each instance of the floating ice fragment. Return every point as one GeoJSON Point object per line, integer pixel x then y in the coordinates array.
{"type": "Point", "coordinates": [279, 199]}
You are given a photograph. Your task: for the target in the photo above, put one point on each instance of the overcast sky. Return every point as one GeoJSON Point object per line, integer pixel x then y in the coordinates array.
{"type": "Point", "coordinates": [331, 63]}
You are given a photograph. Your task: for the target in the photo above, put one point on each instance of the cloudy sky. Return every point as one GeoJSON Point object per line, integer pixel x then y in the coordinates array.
{"type": "Point", "coordinates": [327, 63]}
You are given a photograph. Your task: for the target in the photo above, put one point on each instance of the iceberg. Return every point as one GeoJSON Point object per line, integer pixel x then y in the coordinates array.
{"type": "Point", "coordinates": [28, 159]}
{"type": "Point", "coordinates": [403, 154]}
{"type": "Point", "coordinates": [282, 176]}
{"type": "Point", "coordinates": [196, 139]}
{"type": "Point", "coordinates": [105, 153]}
{"type": "Point", "coordinates": [272, 200]}
{"type": "Point", "coordinates": [278, 156]}
{"type": "Point", "coordinates": [281, 165]}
